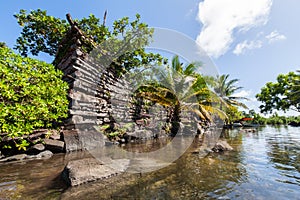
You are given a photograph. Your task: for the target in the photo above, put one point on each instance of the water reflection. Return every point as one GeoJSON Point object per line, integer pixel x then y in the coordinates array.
{"type": "Point", "coordinates": [263, 165]}
{"type": "Point", "coordinates": [284, 152]}
{"type": "Point", "coordinates": [190, 177]}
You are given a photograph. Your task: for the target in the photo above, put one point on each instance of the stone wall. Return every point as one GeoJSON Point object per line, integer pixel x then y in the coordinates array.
{"type": "Point", "coordinates": [92, 88]}
{"type": "Point", "coordinates": [97, 95]}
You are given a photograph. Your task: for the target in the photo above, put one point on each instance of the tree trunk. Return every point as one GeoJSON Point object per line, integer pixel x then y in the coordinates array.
{"type": "Point", "coordinates": [175, 120]}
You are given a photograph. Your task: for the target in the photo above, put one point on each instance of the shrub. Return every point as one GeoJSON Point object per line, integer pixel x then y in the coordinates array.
{"type": "Point", "coordinates": [32, 95]}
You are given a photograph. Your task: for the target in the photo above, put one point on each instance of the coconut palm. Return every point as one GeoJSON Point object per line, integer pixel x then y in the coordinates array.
{"type": "Point", "coordinates": [179, 88]}
{"type": "Point", "coordinates": [226, 89]}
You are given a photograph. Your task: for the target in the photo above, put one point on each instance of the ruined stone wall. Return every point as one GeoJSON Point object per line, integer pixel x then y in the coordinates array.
{"type": "Point", "coordinates": [92, 88]}
{"type": "Point", "coordinates": [97, 95]}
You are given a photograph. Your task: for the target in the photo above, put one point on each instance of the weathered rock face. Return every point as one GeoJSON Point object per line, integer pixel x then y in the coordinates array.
{"type": "Point", "coordinates": [76, 140]}
{"type": "Point", "coordinates": [55, 146]}
{"type": "Point", "coordinates": [222, 145]}
{"type": "Point", "coordinates": [72, 140]}
{"type": "Point", "coordinates": [19, 157]}
{"type": "Point", "coordinates": [55, 135]}
{"type": "Point", "coordinates": [92, 83]}
{"type": "Point", "coordinates": [35, 149]}
{"type": "Point", "coordinates": [86, 170]}
{"type": "Point", "coordinates": [92, 87]}
{"type": "Point", "coordinates": [14, 158]}
{"type": "Point", "coordinates": [140, 135]}
{"type": "Point", "coordinates": [44, 154]}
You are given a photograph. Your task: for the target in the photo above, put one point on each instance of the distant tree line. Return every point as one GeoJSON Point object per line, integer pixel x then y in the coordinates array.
{"type": "Point", "coordinates": [274, 119]}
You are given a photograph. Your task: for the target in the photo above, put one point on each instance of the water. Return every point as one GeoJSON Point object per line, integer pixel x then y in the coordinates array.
{"type": "Point", "coordinates": [263, 165]}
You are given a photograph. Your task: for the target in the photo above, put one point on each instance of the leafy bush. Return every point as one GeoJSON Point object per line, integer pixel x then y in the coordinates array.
{"type": "Point", "coordinates": [32, 95]}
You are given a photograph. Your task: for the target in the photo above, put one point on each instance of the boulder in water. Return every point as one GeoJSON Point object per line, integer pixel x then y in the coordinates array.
{"type": "Point", "coordinates": [222, 145]}
{"type": "Point", "coordinates": [86, 170]}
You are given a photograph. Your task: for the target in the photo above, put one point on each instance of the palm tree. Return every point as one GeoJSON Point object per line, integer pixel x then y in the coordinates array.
{"type": "Point", "coordinates": [226, 89]}
{"type": "Point", "coordinates": [180, 89]}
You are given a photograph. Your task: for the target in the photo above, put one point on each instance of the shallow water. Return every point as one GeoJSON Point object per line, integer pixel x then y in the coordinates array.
{"type": "Point", "coordinates": [263, 165]}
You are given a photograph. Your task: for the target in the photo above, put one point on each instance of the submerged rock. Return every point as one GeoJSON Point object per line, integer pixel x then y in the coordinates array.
{"type": "Point", "coordinates": [14, 158]}
{"type": "Point", "coordinates": [86, 170]}
{"type": "Point", "coordinates": [19, 157]}
{"type": "Point", "coordinates": [222, 145]}
{"type": "Point", "coordinates": [249, 130]}
{"type": "Point", "coordinates": [139, 135]}
{"type": "Point", "coordinates": [44, 154]}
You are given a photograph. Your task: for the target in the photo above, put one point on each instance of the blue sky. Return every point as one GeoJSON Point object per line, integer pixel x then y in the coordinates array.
{"type": "Point", "coordinates": [252, 40]}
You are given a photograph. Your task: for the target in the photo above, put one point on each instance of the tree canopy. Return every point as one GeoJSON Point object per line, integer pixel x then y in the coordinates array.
{"type": "Point", "coordinates": [43, 33]}
{"type": "Point", "coordinates": [282, 94]}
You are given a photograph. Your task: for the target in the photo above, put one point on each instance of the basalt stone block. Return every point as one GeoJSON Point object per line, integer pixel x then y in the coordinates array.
{"type": "Point", "coordinates": [72, 140]}
{"type": "Point", "coordinates": [54, 145]}
{"type": "Point", "coordinates": [77, 140]}
{"type": "Point", "coordinates": [35, 149]}
{"type": "Point", "coordinates": [86, 170]}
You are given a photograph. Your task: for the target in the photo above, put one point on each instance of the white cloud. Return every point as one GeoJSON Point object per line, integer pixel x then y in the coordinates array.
{"type": "Point", "coordinates": [275, 36]}
{"type": "Point", "coordinates": [243, 93]}
{"type": "Point", "coordinates": [242, 47]}
{"type": "Point", "coordinates": [256, 44]}
{"type": "Point", "coordinates": [221, 17]}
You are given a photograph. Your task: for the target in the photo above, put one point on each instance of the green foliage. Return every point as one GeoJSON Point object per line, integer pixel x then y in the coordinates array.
{"type": "Point", "coordinates": [257, 118]}
{"type": "Point", "coordinates": [43, 33]}
{"type": "Point", "coordinates": [281, 95]}
{"type": "Point", "coordinates": [128, 126]}
{"type": "Point", "coordinates": [233, 114]}
{"type": "Point", "coordinates": [179, 88]}
{"type": "Point", "coordinates": [2, 44]}
{"type": "Point", "coordinates": [274, 119]}
{"type": "Point", "coordinates": [294, 95]}
{"type": "Point", "coordinates": [225, 89]}
{"type": "Point", "coordinates": [32, 95]}
{"type": "Point", "coordinates": [40, 33]}
{"type": "Point", "coordinates": [104, 127]}
{"type": "Point", "coordinates": [114, 133]}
